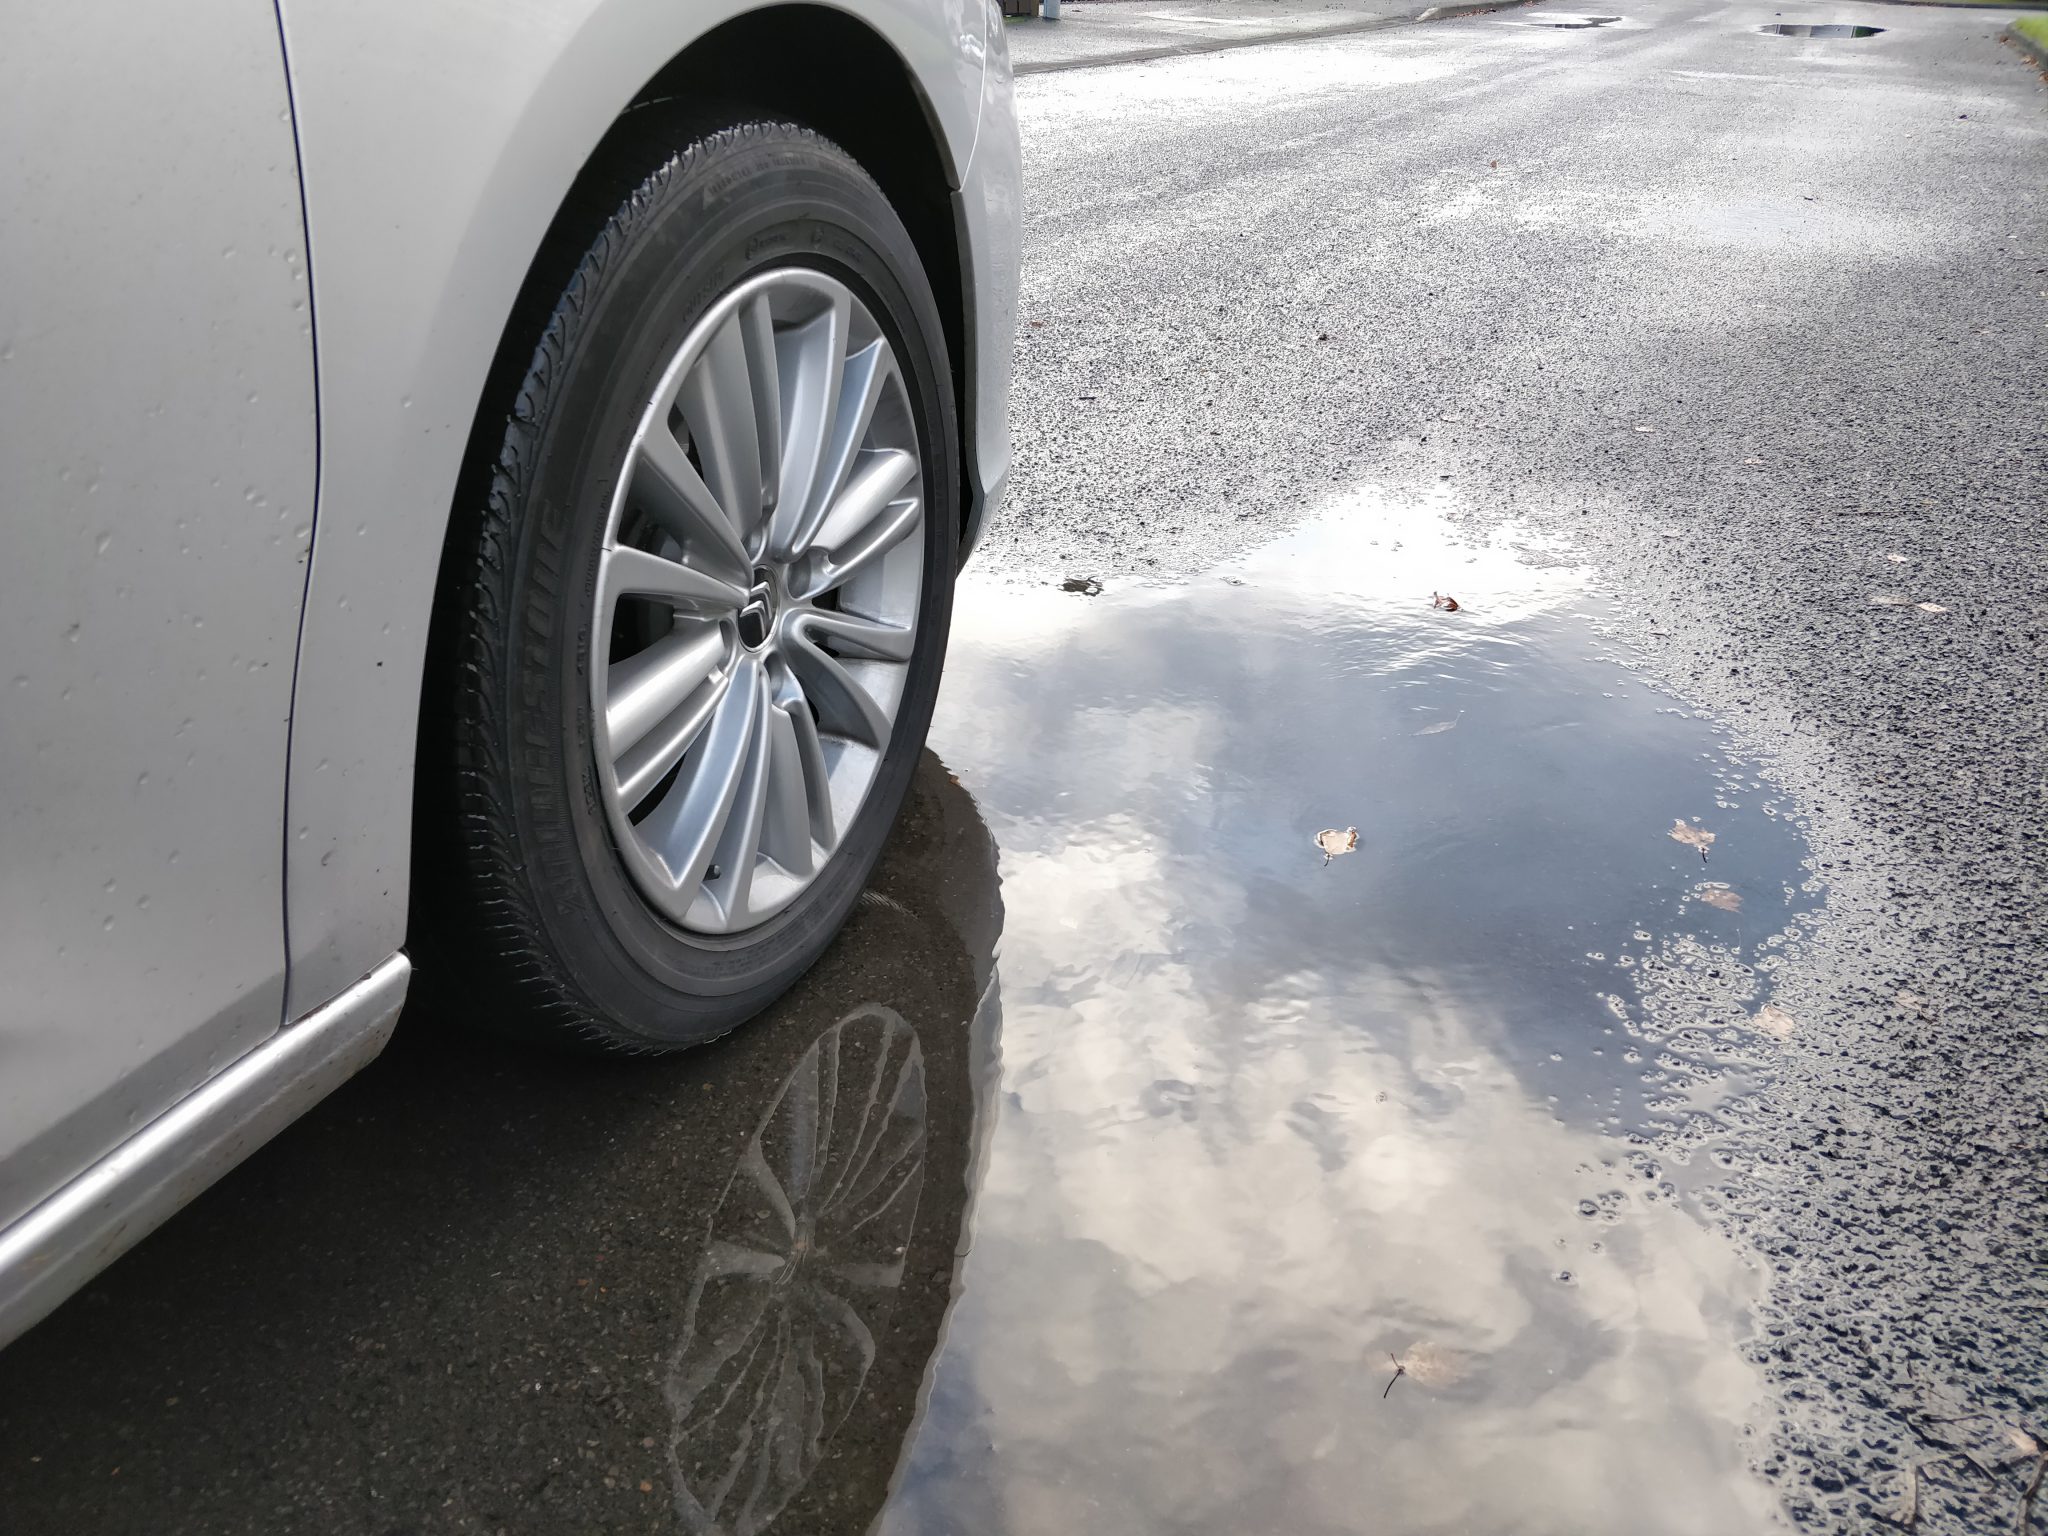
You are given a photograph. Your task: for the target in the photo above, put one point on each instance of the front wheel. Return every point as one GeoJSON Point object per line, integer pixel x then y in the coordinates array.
{"type": "Point", "coordinates": [700, 616]}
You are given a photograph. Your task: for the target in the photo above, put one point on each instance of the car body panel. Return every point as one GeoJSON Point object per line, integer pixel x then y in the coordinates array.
{"type": "Point", "coordinates": [123, 1197]}
{"type": "Point", "coordinates": [157, 457]}
{"type": "Point", "coordinates": [991, 215]}
{"type": "Point", "coordinates": [438, 142]}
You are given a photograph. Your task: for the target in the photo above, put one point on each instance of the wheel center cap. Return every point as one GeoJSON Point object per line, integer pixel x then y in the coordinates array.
{"type": "Point", "coordinates": [757, 618]}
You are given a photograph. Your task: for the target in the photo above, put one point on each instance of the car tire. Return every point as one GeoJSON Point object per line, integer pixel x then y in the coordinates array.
{"type": "Point", "coordinates": [564, 887]}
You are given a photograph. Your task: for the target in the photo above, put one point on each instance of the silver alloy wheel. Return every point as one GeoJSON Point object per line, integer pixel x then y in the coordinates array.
{"type": "Point", "coordinates": [757, 601]}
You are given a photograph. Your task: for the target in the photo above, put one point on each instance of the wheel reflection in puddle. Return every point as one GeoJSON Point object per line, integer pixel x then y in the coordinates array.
{"type": "Point", "coordinates": [800, 1275]}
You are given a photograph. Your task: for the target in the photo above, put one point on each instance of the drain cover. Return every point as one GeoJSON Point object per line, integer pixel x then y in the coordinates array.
{"type": "Point", "coordinates": [1831, 29]}
{"type": "Point", "coordinates": [1557, 19]}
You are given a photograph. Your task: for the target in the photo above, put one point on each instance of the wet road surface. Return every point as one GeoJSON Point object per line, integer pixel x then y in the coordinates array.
{"type": "Point", "coordinates": [1520, 1170]}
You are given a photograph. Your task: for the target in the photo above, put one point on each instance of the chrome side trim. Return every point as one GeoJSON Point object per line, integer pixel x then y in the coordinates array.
{"type": "Point", "coordinates": [113, 1205]}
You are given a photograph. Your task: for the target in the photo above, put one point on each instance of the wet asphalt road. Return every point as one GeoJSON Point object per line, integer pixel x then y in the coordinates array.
{"type": "Point", "coordinates": [1682, 1191]}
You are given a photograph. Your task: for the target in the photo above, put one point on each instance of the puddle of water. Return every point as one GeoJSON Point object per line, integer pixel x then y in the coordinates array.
{"type": "Point", "coordinates": [1268, 1123]}
{"type": "Point", "coordinates": [1831, 29]}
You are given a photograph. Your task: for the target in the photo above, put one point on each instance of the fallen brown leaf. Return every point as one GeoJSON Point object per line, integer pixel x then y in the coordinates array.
{"type": "Point", "coordinates": [1692, 837]}
{"type": "Point", "coordinates": [1333, 842]}
{"type": "Point", "coordinates": [1444, 601]}
{"type": "Point", "coordinates": [1773, 1020]}
{"type": "Point", "coordinates": [1493, 165]}
{"type": "Point", "coordinates": [2022, 1442]}
{"type": "Point", "coordinates": [1036, 325]}
{"type": "Point", "coordinates": [1717, 895]}
{"type": "Point", "coordinates": [1432, 1365]}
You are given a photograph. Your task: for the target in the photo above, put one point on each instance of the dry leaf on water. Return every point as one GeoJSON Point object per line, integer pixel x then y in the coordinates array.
{"type": "Point", "coordinates": [1432, 1365]}
{"type": "Point", "coordinates": [1930, 608]}
{"type": "Point", "coordinates": [1442, 725]}
{"type": "Point", "coordinates": [1773, 1020]}
{"type": "Point", "coordinates": [1444, 601]}
{"type": "Point", "coordinates": [1333, 842]}
{"type": "Point", "coordinates": [1692, 837]}
{"type": "Point", "coordinates": [1889, 600]}
{"type": "Point", "coordinates": [1715, 894]}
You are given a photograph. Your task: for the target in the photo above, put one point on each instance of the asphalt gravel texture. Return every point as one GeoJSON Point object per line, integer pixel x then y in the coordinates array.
{"type": "Point", "coordinates": [1761, 322]}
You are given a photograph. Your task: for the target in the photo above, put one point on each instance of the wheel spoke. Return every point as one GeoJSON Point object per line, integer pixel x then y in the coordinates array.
{"type": "Point", "coordinates": [717, 402]}
{"type": "Point", "coordinates": [866, 373]}
{"type": "Point", "coordinates": [817, 777]}
{"type": "Point", "coordinates": [845, 707]}
{"type": "Point", "coordinates": [668, 488]}
{"type": "Point", "coordinates": [741, 842]}
{"type": "Point", "coordinates": [811, 360]}
{"type": "Point", "coordinates": [877, 480]}
{"type": "Point", "coordinates": [754, 1164]}
{"type": "Point", "coordinates": [647, 688]}
{"type": "Point", "coordinates": [863, 636]}
{"type": "Point", "coordinates": [834, 564]}
{"type": "Point", "coordinates": [724, 1259]}
{"type": "Point", "coordinates": [757, 328]}
{"type": "Point", "coordinates": [629, 572]}
{"type": "Point", "coordinates": [645, 765]}
{"type": "Point", "coordinates": [685, 828]}
{"type": "Point", "coordinates": [786, 830]}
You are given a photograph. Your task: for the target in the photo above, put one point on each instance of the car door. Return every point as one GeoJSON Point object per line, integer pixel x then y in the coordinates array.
{"type": "Point", "coordinates": [157, 455]}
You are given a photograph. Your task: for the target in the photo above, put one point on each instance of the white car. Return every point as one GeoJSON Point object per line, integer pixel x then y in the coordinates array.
{"type": "Point", "coordinates": [483, 487]}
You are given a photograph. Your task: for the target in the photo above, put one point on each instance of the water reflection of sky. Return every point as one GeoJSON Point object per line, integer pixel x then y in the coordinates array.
{"type": "Point", "coordinates": [1265, 1123]}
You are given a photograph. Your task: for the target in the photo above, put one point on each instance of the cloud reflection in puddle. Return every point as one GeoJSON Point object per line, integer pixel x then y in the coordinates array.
{"type": "Point", "coordinates": [1266, 1124]}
